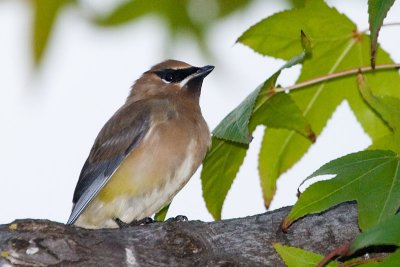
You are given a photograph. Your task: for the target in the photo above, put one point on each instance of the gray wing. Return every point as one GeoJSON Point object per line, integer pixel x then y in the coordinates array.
{"type": "Point", "coordinates": [119, 136]}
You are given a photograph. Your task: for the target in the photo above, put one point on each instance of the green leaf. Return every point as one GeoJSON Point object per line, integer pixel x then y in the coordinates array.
{"type": "Point", "coordinates": [372, 178]}
{"type": "Point", "coordinates": [234, 127]}
{"type": "Point", "coordinates": [276, 35]}
{"type": "Point", "coordinates": [388, 107]}
{"type": "Point", "coordinates": [369, 264]}
{"type": "Point", "coordinates": [220, 166]}
{"type": "Point", "coordinates": [45, 14]}
{"type": "Point", "coordinates": [306, 44]}
{"type": "Point", "coordinates": [262, 106]}
{"type": "Point", "coordinates": [273, 110]}
{"type": "Point", "coordinates": [177, 13]}
{"type": "Point", "coordinates": [388, 142]}
{"type": "Point", "coordinates": [385, 233]}
{"type": "Point", "coordinates": [271, 165]}
{"type": "Point", "coordinates": [192, 18]}
{"type": "Point", "coordinates": [336, 46]}
{"type": "Point", "coordinates": [174, 11]}
{"type": "Point", "coordinates": [377, 10]}
{"type": "Point", "coordinates": [298, 3]}
{"type": "Point", "coordinates": [296, 257]}
{"type": "Point", "coordinates": [160, 216]}
{"type": "Point", "coordinates": [227, 7]}
{"type": "Point", "coordinates": [391, 260]}
{"type": "Point", "coordinates": [280, 112]}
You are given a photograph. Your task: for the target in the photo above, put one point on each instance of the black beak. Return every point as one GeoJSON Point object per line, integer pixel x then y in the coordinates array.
{"type": "Point", "coordinates": [204, 71]}
{"type": "Point", "coordinates": [195, 81]}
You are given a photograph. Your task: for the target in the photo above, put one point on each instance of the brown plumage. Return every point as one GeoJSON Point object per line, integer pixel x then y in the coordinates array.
{"type": "Point", "coordinates": [147, 151]}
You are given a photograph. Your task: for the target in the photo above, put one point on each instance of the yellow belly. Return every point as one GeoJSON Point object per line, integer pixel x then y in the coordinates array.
{"type": "Point", "coordinates": [145, 182]}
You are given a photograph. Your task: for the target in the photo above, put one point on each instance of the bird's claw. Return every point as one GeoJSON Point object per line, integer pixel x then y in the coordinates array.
{"type": "Point", "coordinates": [144, 221]}
{"type": "Point", "coordinates": [179, 218]}
{"type": "Point", "coordinates": [122, 224]}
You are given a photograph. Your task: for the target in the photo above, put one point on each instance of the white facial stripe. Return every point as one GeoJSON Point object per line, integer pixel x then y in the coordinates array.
{"type": "Point", "coordinates": [184, 81]}
{"type": "Point", "coordinates": [188, 78]}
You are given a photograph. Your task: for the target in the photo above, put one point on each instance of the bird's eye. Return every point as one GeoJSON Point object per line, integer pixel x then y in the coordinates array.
{"type": "Point", "coordinates": [169, 77]}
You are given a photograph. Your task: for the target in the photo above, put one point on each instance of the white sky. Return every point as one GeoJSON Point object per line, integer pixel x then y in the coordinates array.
{"type": "Point", "coordinates": [49, 119]}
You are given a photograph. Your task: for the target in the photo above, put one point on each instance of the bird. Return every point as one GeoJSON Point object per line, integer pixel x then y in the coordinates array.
{"type": "Point", "coordinates": [147, 151]}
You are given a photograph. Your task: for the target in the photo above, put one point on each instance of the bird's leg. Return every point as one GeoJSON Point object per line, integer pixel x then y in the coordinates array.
{"type": "Point", "coordinates": [122, 224]}
{"type": "Point", "coordinates": [179, 218]}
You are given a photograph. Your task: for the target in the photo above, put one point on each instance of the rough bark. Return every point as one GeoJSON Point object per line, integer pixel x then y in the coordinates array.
{"type": "Point", "coordinates": [236, 242]}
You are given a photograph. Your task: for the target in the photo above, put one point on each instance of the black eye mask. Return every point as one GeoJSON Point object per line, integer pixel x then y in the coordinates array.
{"type": "Point", "coordinates": [175, 76]}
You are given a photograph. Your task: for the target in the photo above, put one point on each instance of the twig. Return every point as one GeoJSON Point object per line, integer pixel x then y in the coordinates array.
{"type": "Point", "coordinates": [334, 75]}
{"type": "Point", "coordinates": [384, 25]}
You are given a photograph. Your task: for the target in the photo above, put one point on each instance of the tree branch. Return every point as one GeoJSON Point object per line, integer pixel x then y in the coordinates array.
{"type": "Point", "coordinates": [235, 242]}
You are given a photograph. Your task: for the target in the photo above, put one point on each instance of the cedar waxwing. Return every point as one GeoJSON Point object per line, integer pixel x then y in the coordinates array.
{"type": "Point", "coordinates": [147, 151]}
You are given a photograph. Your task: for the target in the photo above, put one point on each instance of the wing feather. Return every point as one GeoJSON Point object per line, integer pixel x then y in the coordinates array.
{"type": "Point", "coordinates": [119, 136]}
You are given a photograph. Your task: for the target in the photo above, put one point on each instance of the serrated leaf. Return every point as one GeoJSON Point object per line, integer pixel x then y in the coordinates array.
{"type": "Point", "coordinates": [276, 35]}
{"type": "Point", "coordinates": [377, 10]}
{"type": "Point", "coordinates": [388, 107]}
{"type": "Point", "coordinates": [220, 166]}
{"type": "Point", "coordinates": [280, 111]}
{"type": "Point", "coordinates": [270, 165]}
{"type": "Point", "coordinates": [296, 257]}
{"type": "Point", "coordinates": [271, 109]}
{"type": "Point", "coordinates": [235, 126]}
{"type": "Point", "coordinates": [385, 233]}
{"type": "Point", "coordinates": [45, 14]}
{"type": "Point", "coordinates": [372, 178]}
{"type": "Point", "coordinates": [274, 110]}
{"type": "Point", "coordinates": [160, 216]}
{"type": "Point", "coordinates": [336, 46]}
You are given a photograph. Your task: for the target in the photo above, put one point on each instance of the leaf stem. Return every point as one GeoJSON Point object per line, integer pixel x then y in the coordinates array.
{"type": "Point", "coordinates": [334, 75]}
{"type": "Point", "coordinates": [384, 25]}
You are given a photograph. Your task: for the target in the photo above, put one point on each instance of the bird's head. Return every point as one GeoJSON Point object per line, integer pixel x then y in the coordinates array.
{"type": "Point", "coordinates": [170, 77]}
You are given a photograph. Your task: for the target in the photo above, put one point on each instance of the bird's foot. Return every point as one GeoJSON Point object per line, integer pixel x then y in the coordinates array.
{"type": "Point", "coordinates": [122, 224]}
{"type": "Point", "coordinates": [179, 218]}
{"type": "Point", "coordinates": [143, 221]}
